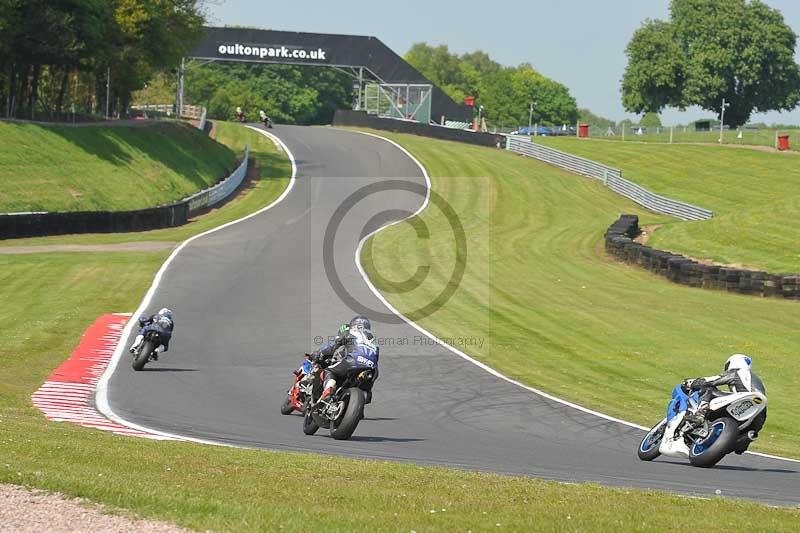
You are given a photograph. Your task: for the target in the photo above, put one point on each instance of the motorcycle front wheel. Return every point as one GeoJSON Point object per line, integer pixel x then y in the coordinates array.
{"type": "Point", "coordinates": [648, 448]}
{"type": "Point", "coordinates": [344, 427]}
{"type": "Point", "coordinates": [310, 425]}
{"type": "Point", "coordinates": [286, 406]}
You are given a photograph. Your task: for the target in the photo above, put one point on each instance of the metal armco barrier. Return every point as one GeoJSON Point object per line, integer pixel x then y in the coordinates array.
{"type": "Point", "coordinates": [611, 178]}
{"type": "Point", "coordinates": [213, 195]}
{"type": "Point", "coordinates": [39, 224]}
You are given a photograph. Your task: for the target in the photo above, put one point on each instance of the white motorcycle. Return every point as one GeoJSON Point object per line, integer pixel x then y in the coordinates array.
{"type": "Point", "coordinates": [731, 423]}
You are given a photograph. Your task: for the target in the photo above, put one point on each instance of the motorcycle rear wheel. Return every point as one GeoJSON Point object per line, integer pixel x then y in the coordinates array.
{"type": "Point", "coordinates": [708, 451]}
{"type": "Point", "coordinates": [143, 355]}
{"type": "Point", "coordinates": [345, 426]}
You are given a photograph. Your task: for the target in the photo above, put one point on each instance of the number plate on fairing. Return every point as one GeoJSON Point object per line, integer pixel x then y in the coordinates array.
{"type": "Point", "coordinates": [742, 410]}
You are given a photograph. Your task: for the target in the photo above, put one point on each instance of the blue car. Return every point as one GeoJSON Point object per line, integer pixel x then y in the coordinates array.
{"type": "Point", "coordinates": [541, 130]}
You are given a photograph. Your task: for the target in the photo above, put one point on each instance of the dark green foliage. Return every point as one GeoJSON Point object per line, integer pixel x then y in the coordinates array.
{"type": "Point", "coordinates": [56, 53]}
{"type": "Point", "coordinates": [505, 92]}
{"type": "Point", "coordinates": [288, 94]}
{"type": "Point", "coordinates": [738, 50]}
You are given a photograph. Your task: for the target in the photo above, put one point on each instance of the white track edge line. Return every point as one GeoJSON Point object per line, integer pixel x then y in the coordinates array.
{"type": "Point", "coordinates": [458, 352]}
{"type": "Point", "coordinates": [101, 398]}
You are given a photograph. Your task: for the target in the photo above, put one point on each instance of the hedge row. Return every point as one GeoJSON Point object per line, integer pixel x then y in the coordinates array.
{"type": "Point", "coordinates": [681, 269]}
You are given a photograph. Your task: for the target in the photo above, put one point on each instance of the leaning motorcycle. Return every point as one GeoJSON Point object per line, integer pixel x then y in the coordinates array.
{"type": "Point", "coordinates": [146, 351]}
{"type": "Point", "coordinates": [731, 423]}
{"type": "Point", "coordinates": [343, 409]}
{"type": "Point", "coordinates": [297, 395]}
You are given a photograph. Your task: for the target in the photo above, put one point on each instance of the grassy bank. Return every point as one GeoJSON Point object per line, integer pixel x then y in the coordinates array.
{"type": "Point", "coordinates": [269, 164]}
{"type": "Point", "coordinates": [753, 194]}
{"type": "Point", "coordinates": [556, 313]}
{"type": "Point", "coordinates": [60, 168]}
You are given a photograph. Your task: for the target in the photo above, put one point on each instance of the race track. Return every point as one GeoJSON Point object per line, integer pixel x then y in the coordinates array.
{"type": "Point", "coordinates": [250, 298]}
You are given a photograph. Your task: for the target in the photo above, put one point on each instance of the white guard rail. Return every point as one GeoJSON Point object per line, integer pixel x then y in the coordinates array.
{"type": "Point", "coordinates": [213, 195]}
{"type": "Point", "coordinates": [202, 125]}
{"type": "Point", "coordinates": [611, 177]}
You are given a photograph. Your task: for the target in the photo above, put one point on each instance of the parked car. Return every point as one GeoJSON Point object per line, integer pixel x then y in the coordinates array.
{"type": "Point", "coordinates": [564, 130]}
{"type": "Point", "coordinates": [544, 131]}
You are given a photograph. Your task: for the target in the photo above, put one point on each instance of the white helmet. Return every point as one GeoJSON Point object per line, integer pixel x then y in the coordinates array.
{"type": "Point", "coordinates": [738, 360]}
{"type": "Point", "coordinates": [165, 312]}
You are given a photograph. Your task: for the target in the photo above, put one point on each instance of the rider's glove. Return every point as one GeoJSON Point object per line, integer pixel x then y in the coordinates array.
{"type": "Point", "coordinates": [698, 384]}
{"type": "Point", "coordinates": [686, 386]}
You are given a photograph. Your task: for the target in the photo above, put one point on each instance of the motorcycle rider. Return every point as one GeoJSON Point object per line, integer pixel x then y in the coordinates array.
{"type": "Point", "coordinates": [305, 368]}
{"type": "Point", "coordinates": [737, 375]}
{"type": "Point", "coordinates": [265, 119]}
{"type": "Point", "coordinates": [162, 322]}
{"type": "Point", "coordinates": [352, 349]}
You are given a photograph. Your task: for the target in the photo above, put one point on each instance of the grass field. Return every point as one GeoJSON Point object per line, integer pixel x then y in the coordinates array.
{"type": "Point", "coordinates": [556, 313]}
{"type": "Point", "coordinates": [754, 137]}
{"type": "Point", "coordinates": [49, 299]}
{"type": "Point", "coordinates": [754, 196]}
{"type": "Point", "coordinates": [60, 168]}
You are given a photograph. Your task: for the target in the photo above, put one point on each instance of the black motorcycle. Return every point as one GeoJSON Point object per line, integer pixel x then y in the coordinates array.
{"type": "Point", "coordinates": [146, 351]}
{"type": "Point", "coordinates": [267, 122]}
{"type": "Point", "coordinates": [343, 409]}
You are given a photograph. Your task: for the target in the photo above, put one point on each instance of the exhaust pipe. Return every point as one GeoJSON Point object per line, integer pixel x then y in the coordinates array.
{"type": "Point", "coordinates": [752, 435]}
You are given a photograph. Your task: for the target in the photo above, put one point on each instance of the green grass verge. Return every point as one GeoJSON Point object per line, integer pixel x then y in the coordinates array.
{"type": "Point", "coordinates": [753, 194]}
{"type": "Point", "coordinates": [556, 313]}
{"type": "Point", "coordinates": [60, 168]}
{"type": "Point", "coordinates": [49, 299]}
{"type": "Point", "coordinates": [752, 137]}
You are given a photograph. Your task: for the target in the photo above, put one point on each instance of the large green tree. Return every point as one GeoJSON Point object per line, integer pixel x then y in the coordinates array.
{"type": "Point", "coordinates": [739, 50]}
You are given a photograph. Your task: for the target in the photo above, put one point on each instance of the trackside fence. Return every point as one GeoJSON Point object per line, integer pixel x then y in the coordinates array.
{"type": "Point", "coordinates": [611, 178]}
{"type": "Point", "coordinates": [213, 195]}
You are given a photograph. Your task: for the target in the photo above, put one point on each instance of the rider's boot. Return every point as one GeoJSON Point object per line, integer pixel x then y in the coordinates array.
{"type": "Point", "coordinates": [698, 417]}
{"type": "Point", "coordinates": [136, 343]}
{"type": "Point", "coordinates": [671, 445]}
{"type": "Point", "coordinates": [326, 394]}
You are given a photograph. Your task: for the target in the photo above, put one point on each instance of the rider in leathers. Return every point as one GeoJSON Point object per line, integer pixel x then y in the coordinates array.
{"type": "Point", "coordinates": [352, 349]}
{"type": "Point", "coordinates": [738, 376]}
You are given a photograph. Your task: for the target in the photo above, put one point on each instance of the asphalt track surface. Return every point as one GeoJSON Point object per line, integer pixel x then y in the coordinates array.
{"type": "Point", "coordinates": [250, 298]}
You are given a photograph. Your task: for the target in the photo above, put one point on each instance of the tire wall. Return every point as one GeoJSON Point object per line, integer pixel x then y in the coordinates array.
{"type": "Point", "coordinates": [39, 224]}
{"type": "Point", "coordinates": [678, 268]}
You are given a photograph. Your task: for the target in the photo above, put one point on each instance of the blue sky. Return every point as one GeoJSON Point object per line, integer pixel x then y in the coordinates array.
{"type": "Point", "coordinates": [580, 43]}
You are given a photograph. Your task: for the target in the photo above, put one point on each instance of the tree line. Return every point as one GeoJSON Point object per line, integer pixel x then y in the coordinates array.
{"type": "Point", "coordinates": [504, 92]}
{"type": "Point", "coordinates": [56, 54]}
{"type": "Point", "coordinates": [288, 94]}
